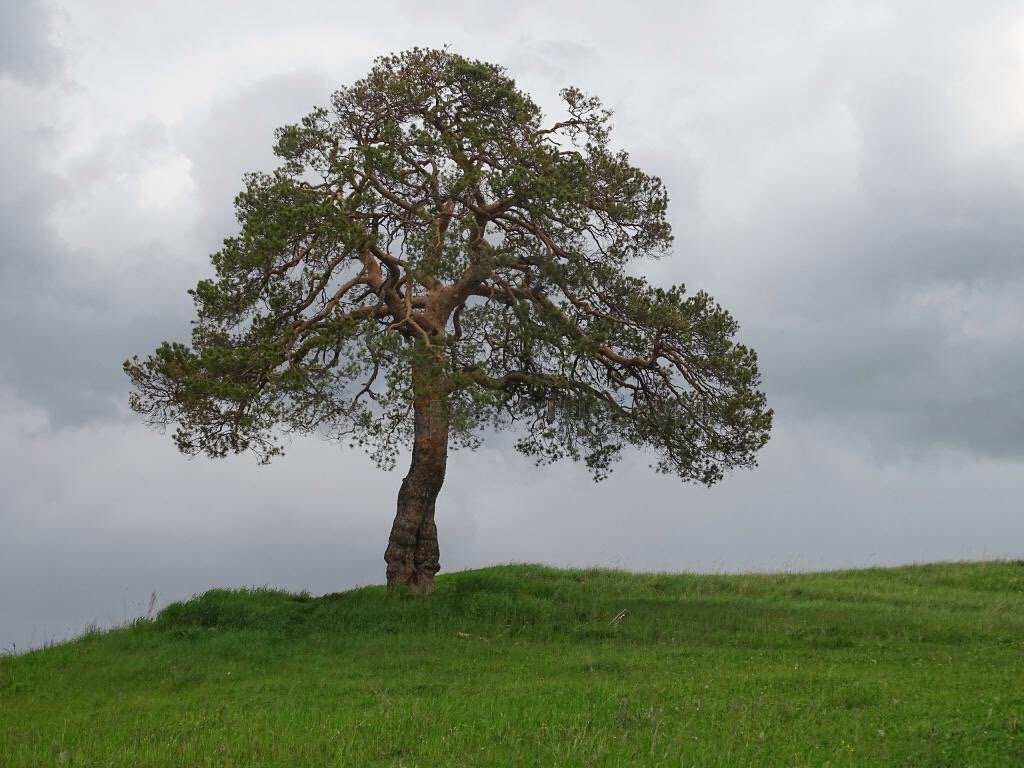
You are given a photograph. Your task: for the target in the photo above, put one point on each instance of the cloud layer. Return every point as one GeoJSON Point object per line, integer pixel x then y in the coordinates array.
{"type": "Point", "coordinates": [845, 177]}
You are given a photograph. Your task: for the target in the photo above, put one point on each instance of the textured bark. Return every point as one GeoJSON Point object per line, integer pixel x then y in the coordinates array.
{"type": "Point", "coordinates": [413, 556]}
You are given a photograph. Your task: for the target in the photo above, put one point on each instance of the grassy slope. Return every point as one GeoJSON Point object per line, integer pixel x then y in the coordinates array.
{"type": "Point", "coordinates": [519, 665]}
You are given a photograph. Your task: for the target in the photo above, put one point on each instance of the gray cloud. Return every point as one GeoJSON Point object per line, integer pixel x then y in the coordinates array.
{"type": "Point", "coordinates": [26, 51]}
{"type": "Point", "coordinates": [66, 316]}
{"type": "Point", "coordinates": [895, 304]}
{"type": "Point", "coordinates": [69, 315]}
{"type": "Point", "coordinates": [236, 136]}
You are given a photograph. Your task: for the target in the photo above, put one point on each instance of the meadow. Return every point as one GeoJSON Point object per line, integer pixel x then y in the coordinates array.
{"type": "Point", "coordinates": [534, 666]}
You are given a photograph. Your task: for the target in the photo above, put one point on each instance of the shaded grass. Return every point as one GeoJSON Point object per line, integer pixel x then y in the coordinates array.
{"type": "Point", "coordinates": [523, 665]}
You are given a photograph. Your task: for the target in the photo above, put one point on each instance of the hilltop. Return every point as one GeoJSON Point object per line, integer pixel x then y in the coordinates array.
{"type": "Point", "coordinates": [527, 665]}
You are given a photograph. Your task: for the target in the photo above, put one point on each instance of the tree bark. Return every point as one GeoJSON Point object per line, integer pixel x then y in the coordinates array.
{"type": "Point", "coordinates": [413, 556]}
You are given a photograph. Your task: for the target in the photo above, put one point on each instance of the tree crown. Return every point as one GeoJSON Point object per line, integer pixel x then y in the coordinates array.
{"type": "Point", "coordinates": [429, 237]}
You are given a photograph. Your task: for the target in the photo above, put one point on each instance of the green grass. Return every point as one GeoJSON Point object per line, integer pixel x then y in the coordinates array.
{"type": "Point", "coordinates": [524, 666]}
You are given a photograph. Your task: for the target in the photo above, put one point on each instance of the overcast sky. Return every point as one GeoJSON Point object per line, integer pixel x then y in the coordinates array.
{"type": "Point", "coordinates": [846, 177]}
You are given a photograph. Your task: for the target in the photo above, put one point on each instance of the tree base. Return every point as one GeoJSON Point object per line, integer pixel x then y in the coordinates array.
{"type": "Point", "coordinates": [420, 583]}
{"type": "Point", "coordinates": [413, 566]}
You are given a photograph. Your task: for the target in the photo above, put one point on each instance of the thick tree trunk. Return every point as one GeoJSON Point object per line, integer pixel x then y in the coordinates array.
{"type": "Point", "coordinates": [412, 555]}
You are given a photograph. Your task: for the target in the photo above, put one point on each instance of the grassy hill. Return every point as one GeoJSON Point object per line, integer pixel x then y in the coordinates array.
{"type": "Point", "coordinates": [532, 666]}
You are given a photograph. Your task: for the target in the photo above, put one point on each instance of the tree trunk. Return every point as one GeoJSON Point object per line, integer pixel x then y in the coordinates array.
{"type": "Point", "coordinates": [412, 555]}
